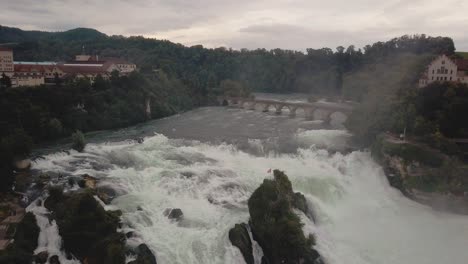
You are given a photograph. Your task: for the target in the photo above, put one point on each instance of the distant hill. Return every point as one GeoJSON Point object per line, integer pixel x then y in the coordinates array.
{"type": "Point", "coordinates": [16, 35]}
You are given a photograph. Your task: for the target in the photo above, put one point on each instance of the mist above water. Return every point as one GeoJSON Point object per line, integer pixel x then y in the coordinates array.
{"type": "Point", "coordinates": [208, 162]}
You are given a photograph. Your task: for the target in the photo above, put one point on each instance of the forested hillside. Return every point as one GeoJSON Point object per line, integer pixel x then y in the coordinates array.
{"type": "Point", "coordinates": [314, 71]}
{"type": "Point", "coordinates": [178, 78]}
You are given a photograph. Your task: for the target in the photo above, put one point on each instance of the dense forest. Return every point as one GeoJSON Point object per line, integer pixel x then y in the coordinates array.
{"type": "Point", "coordinates": [176, 78]}
{"type": "Point", "coordinates": [314, 71]}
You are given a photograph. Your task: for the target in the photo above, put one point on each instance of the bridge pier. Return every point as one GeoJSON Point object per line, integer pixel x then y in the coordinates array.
{"type": "Point", "coordinates": [292, 111]}
{"type": "Point", "coordinates": [327, 119]}
{"type": "Point", "coordinates": [309, 113]}
{"type": "Point", "coordinates": [279, 107]}
{"type": "Point", "coordinates": [326, 109]}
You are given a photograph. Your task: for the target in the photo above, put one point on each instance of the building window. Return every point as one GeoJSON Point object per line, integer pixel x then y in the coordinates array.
{"type": "Point", "coordinates": [438, 71]}
{"type": "Point", "coordinates": [443, 62]}
{"type": "Point", "coordinates": [432, 71]}
{"type": "Point", "coordinates": [432, 77]}
{"type": "Point", "coordinates": [450, 78]}
{"type": "Point", "coordinates": [445, 78]}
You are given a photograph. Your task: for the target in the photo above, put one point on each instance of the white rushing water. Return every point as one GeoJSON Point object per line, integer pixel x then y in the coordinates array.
{"type": "Point", "coordinates": [360, 218]}
{"type": "Point", "coordinates": [49, 239]}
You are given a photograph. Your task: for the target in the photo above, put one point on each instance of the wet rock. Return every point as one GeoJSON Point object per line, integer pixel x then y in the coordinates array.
{"type": "Point", "coordinates": [173, 213]}
{"type": "Point", "coordinates": [82, 183]}
{"type": "Point", "coordinates": [144, 255]}
{"type": "Point", "coordinates": [239, 237]}
{"type": "Point", "coordinates": [44, 177]}
{"type": "Point", "coordinates": [106, 194]}
{"type": "Point", "coordinates": [90, 182]}
{"type": "Point", "coordinates": [300, 203]}
{"type": "Point", "coordinates": [54, 260]}
{"type": "Point", "coordinates": [130, 234]}
{"type": "Point", "coordinates": [187, 174]}
{"type": "Point", "coordinates": [41, 257]}
{"type": "Point", "coordinates": [23, 164]}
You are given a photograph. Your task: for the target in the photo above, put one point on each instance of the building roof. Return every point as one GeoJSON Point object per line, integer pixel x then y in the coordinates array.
{"type": "Point", "coordinates": [35, 63]}
{"type": "Point", "coordinates": [5, 49]}
{"type": "Point", "coordinates": [80, 69]}
{"type": "Point", "coordinates": [66, 68]}
{"type": "Point", "coordinates": [462, 64]}
{"type": "Point", "coordinates": [32, 67]}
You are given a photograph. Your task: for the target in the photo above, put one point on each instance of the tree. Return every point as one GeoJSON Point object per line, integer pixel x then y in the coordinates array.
{"type": "Point", "coordinates": [234, 89]}
{"type": "Point", "coordinates": [78, 141]}
{"type": "Point", "coordinates": [5, 81]}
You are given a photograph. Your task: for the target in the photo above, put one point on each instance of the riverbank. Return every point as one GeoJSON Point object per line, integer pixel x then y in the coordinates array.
{"type": "Point", "coordinates": [424, 174]}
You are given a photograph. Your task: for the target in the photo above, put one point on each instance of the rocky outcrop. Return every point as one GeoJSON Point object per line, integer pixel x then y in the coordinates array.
{"type": "Point", "coordinates": [274, 225]}
{"type": "Point", "coordinates": [88, 231]}
{"type": "Point", "coordinates": [144, 255]}
{"type": "Point", "coordinates": [423, 174]}
{"type": "Point", "coordinates": [173, 213]}
{"type": "Point", "coordinates": [23, 164]}
{"type": "Point", "coordinates": [54, 260]}
{"type": "Point", "coordinates": [41, 257]}
{"type": "Point", "coordinates": [239, 237]}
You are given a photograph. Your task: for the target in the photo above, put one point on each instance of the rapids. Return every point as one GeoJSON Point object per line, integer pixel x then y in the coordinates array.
{"type": "Point", "coordinates": [209, 170]}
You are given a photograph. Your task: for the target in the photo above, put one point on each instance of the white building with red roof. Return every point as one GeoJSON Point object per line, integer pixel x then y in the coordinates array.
{"type": "Point", "coordinates": [445, 69]}
{"type": "Point", "coordinates": [38, 73]}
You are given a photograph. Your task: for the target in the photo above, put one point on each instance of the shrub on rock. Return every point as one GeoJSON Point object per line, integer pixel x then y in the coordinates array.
{"type": "Point", "coordinates": [275, 226]}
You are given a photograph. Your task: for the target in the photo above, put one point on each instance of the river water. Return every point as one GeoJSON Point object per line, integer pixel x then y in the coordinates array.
{"type": "Point", "coordinates": [208, 162]}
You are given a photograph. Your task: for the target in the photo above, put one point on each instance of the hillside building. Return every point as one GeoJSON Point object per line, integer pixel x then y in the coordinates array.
{"type": "Point", "coordinates": [38, 73]}
{"type": "Point", "coordinates": [445, 69]}
{"type": "Point", "coordinates": [6, 61]}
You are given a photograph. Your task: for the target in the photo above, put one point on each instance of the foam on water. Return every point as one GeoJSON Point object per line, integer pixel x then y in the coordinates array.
{"type": "Point", "coordinates": [359, 217]}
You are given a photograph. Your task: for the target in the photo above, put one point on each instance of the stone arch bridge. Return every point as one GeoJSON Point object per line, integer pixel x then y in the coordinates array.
{"type": "Point", "coordinates": [309, 108]}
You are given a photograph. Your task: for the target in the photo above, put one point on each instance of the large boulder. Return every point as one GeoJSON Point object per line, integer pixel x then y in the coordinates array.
{"type": "Point", "coordinates": [23, 164]}
{"type": "Point", "coordinates": [275, 226]}
{"type": "Point", "coordinates": [144, 255]}
{"type": "Point", "coordinates": [89, 181]}
{"type": "Point", "coordinates": [106, 194]}
{"type": "Point", "coordinates": [173, 213]}
{"type": "Point", "coordinates": [54, 260]}
{"type": "Point", "coordinates": [239, 237]}
{"type": "Point", "coordinates": [41, 257]}
{"type": "Point", "coordinates": [88, 231]}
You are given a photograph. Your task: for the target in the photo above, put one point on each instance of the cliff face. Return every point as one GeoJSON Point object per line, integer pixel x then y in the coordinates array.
{"type": "Point", "coordinates": [423, 173]}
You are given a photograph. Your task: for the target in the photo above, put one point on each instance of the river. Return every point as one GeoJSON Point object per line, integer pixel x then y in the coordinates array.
{"type": "Point", "coordinates": [208, 162]}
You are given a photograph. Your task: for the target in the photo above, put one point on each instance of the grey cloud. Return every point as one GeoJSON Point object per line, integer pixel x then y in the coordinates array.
{"type": "Point", "coordinates": [292, 24]}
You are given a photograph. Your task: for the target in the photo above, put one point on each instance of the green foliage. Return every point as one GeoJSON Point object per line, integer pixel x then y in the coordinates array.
{"type": "Point", "coordinates": [276, 227]}
{"type": "Point", "coordinates": [78, 141]}
{"type": "Point", "coordinates": [413, 152]}
{"type": "Point", "coordinates": [13, 147]}
{"type": "Point", "coordinates": [234, 89]}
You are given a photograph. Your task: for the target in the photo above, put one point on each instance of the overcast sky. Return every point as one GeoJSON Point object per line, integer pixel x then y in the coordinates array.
{"type": "Point", "coordinates": [289, 24]}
